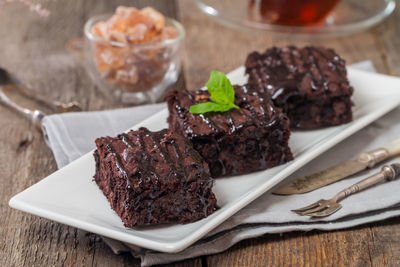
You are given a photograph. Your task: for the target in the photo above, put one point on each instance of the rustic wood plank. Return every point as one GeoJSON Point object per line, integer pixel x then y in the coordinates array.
{"type": "Point", "coordinates": [34, 49]}
{"type": "Point", "coordinates": [299, 249]}
{"type": "Point", "coordinates": [385, 248]}
{"type": "Point", "coordinates": [352, 247]}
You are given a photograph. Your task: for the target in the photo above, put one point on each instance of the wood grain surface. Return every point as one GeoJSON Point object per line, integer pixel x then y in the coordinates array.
{"type": "Point", "coordinates": [34, 49]}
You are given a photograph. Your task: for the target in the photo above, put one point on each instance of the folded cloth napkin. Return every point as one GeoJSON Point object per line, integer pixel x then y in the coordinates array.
{"type": "Point", "coordinates": [72, 135]}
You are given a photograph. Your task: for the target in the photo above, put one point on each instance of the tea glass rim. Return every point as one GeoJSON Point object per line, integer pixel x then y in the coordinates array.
{"type": "Point", "coordinates": [310, 31]}
{"type": "Point", "coordinates": [102, 17]}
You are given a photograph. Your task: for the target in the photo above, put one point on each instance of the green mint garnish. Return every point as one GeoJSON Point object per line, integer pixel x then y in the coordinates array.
{"type": "Point", "coordinates": [221, 93]}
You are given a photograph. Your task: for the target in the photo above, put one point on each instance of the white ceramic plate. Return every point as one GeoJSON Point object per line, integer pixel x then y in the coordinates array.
{"type": "Point", "coordinates": [70, 196]}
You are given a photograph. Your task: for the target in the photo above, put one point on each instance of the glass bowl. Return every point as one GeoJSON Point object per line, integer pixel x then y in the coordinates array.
{"type": "Point", "coordinates": [347, 17]}
{"type": "Point", "coordinates": [133, 73]}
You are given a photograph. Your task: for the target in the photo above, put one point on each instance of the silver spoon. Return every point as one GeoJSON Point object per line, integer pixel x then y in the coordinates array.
{"type": "Point", "coordinates": [8, 80]}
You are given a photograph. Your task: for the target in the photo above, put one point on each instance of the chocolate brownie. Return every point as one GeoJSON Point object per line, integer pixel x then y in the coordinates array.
{"type": "Point", "coordinates": [238, 141]}
{"type": "Point", "coordinates": [310, 84]}
{"type": "Point", "coordinates": [153, 178]}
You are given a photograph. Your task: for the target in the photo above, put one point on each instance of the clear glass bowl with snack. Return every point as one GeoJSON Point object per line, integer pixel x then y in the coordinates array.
{"type": "Point", "coordinates": [133, 55]}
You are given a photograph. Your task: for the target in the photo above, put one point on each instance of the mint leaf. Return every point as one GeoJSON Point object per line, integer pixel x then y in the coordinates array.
{"type": "Point", "coordinates": [208, 107]}
{"type": "Point", "coordinates": [221, 92]}
{"type": "Point", "coordinates": [220, 88]}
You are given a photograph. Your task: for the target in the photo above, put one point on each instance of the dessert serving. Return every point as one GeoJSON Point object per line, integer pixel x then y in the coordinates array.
{"type": "Point", "coordinates": [251, 136]}
{"type": "Point", "coordinates": [153, 178]}
{"type": "Point", "coordinates": [158, 177]}
{"type": "Point", "coordinates": [166, 177]}
{"type": "Point", "coordinates": [310, 84]}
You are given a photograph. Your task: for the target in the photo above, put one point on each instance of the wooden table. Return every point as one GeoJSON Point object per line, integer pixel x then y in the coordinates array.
{"type": "Point", "coordinates": [34, 49]}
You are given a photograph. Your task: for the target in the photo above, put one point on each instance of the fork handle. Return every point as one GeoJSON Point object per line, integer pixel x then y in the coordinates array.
{"type": "Point", "coordinates": [35, 116]}
{"type": "Point", "coordinates": [18, 86]}
{"type": "Point", "coordinates": [388, 173]}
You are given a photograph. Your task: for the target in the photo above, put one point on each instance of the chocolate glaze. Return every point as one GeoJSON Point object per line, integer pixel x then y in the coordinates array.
{"type": "Point", "coordinates": [233, 142]}
{"type": "Point", "coordinates": [153, 177]}
{"type": "Point", "coordinates": [311, 76]}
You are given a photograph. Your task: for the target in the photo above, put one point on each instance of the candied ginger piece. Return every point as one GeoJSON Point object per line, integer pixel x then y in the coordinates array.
{"type": "Point", "coordinates": [134, 17]}
{"type": "Point", "coordinates": [101, 65]}
{"type": "Point", "coordinates": [155, 17]}
{"type": "Point", "coordinates": [169, 33]}
{"type": "Point", "coordinates": [116, 36]}
{"type": "Point", "coordinates": [124, 11]}
{"type": "Point", "coordinates": [112, 58]}
{"type": "Point", "coordinates": [116, 23]}
{"type": "Point", "coordinates": [99, 29]}
{"type": "Point", "coordinates": [136, 33]}
{"type": "Point", "coordinates": [128, 76]}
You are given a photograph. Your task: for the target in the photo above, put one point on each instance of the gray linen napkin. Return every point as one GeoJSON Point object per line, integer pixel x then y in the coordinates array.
{"type": "Point", "coordinates": [71, 135]}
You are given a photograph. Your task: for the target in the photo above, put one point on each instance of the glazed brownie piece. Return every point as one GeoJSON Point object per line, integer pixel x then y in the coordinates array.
{"type": "Point", "coordinates": [238, 141]}
{"type": "Point", "coordinates": [153, 178]}
{"type": "Point", "coordinates": [310, 84]}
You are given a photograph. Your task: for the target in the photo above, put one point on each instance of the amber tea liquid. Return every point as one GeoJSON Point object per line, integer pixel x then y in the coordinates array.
{"type": "Point", "coordinates": [292, 12]}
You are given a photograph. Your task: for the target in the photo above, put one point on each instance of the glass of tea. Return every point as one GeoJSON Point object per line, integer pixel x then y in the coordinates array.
{"type": "Point", "coordinates": [319, 18]}
{"type": "Point", "coordinates": [292, 12]}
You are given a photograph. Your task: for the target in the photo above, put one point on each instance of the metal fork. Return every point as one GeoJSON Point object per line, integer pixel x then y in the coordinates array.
{"type": "Point", "coordinates": [324, 207]}
{"type": "Point", "coordinates": [35, 116]}
{"type": "Point", "coordinates": [7, 79]}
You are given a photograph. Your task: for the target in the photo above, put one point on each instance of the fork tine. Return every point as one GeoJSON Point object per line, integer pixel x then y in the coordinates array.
{"type": "Point", "coordinates": [330, 210]}
{"type": "Point", "coordinates": [316, 209]}
{"type": "Point", "coordinates": [313, 205]}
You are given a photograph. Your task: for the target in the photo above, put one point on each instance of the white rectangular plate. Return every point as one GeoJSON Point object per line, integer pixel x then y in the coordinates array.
{"type": "Point", "coordinates": [70, 195]}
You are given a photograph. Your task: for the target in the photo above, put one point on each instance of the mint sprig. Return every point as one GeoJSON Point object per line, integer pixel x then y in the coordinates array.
{"type": "Point", "coordinates": [221, 93]}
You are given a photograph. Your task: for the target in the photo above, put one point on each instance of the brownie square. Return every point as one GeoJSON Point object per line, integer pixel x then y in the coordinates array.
{"type": "Point", "coordinates": [153, 178]}
{"type": "Point", "coordinates": [238, 141]}
{"type": "Point", "coordinates": [310, 84]}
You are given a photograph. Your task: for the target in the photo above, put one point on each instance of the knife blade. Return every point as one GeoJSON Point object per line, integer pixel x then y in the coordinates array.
{"type": "Point", "coordinates": [340, 171]}
{"type": "Point", "coordinates": [319, 179]}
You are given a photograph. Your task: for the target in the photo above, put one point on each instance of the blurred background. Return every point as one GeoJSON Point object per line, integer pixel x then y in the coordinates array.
{"type": "Point", "coordinates": [34, 47]}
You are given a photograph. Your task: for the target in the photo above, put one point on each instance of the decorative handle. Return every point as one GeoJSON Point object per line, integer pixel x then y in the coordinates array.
{"type": "Point", "coordinates": [35, 116]}
{"type": "Point", "coordinates": [388, 173]}
{"type": "Point", "coordinates": [393, 148]}
{"type": "Point", "coordinates": [370, 159]}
